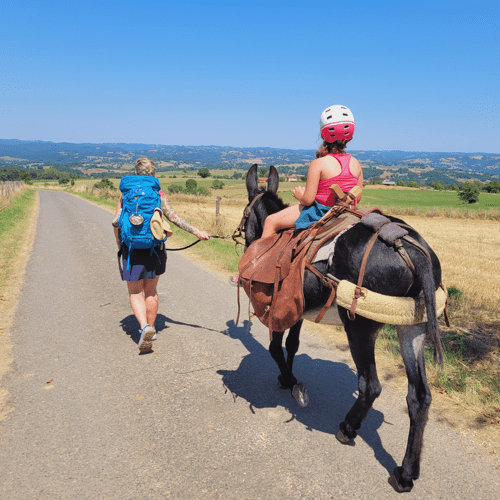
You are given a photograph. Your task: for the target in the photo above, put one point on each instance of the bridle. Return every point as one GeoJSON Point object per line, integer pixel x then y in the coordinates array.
{"type": "Point", "coordinates": [238, 233]}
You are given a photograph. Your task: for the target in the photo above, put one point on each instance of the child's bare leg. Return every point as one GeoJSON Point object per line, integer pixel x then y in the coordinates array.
{"type": "Point", "coordinates": [281, 220]}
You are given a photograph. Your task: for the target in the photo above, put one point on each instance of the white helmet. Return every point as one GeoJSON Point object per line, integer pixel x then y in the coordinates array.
{"type": "Point", "coordinates": [336, 123]}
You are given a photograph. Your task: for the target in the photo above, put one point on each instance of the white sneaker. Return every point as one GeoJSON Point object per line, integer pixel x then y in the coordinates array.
{"type": "Point", "coordinates": [145, 342]}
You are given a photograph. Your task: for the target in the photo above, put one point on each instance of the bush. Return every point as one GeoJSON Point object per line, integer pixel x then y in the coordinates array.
{"type": "Point", "coordinates": [191, 186]}
{"type": "Point", "coordinates": [63, 181]}
{"type": "Point", "coordinates": [455, 293]}
{"type": "Point", "coordinates": [469, 192]}
{"type": "Point", "coordinates": [492, 187]}
{"type": "Point", "coordinates": [175, 188]}
{"type": "Point", "coordinates": [104, 183]}
{"type": "Point", "coordinates": [413, 184]}
{"type": "Point", "coordinates": [204, 172]}
{"type": "Point", "coordinates": [217, 184]}
{"type": "Point", "coordinates": [203, 191]}
{"type": "Point", "coordinates": [401, 183]}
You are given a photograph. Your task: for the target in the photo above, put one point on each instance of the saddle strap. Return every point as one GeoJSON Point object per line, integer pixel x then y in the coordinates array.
{"type": "Point", "coordinates": [358, 292]}
{"type": "Point", "coordinates": [329, 282]}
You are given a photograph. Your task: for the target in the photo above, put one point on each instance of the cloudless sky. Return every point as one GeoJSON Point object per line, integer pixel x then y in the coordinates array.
{"type": "Point", "coordinates": [418, 76]}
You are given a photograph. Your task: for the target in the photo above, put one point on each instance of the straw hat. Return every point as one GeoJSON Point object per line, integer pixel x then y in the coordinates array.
{"type": "Point", "coordinates": [159, 226]}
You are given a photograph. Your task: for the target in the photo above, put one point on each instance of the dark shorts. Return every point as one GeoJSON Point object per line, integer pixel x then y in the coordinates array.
{"type": "Point", "coordinates": [143, 264]}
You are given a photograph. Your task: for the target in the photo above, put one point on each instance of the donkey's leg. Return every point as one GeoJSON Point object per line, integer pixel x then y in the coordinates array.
{"type": "Point", "coordinates": [411, 340]}
{"type": "Point", "coordinates": [292, 343]}
{"type": "Point", "coordinates": [361, 334]}
{"type": "Point", "coordinates": [286, 380]}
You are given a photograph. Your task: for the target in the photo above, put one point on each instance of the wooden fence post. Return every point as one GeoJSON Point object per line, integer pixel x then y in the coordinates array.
{"type": "Point", "coordinates": [217, 206]}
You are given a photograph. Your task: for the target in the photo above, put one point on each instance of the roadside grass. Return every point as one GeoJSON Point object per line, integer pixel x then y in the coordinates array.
{"type": "Point", "coordinates": [13, 220]}
{"type": "Point", "coordinates": [17, 225]}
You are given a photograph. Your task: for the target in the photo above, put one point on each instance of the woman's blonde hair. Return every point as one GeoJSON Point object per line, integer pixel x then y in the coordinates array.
{"type": "Point", "coordinates": [145, 166]}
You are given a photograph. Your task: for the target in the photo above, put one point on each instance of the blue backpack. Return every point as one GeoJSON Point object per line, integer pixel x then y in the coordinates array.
{"type": "Point", "coordinates": [140, 198]}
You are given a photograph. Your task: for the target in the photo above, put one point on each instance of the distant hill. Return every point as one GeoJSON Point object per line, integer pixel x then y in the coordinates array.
{"type": "Point", "coordinates": [111, 158]}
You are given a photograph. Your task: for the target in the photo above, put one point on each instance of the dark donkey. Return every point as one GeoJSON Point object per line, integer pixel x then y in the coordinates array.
{"type": "Point", "coordinates": [385, 273]}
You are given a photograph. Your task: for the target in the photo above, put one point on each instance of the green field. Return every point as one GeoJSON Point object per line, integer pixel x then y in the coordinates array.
{"type": "Point", "coordinates": [397, 200]}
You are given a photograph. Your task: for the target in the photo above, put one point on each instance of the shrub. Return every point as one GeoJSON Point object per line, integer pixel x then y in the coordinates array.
{"type": "Point", "coordinates": [217, 184]}
{"type": "Point", "coordinates": [191, 186]}
{"type": "Point", "coordinates": [469, 192]}
{"type": "Point", "coordinates": [104, 183]}
{"type": "Point", "coordinates": [455, 293]}
{"type": "Point", "coordinates": [204, 172]}
{"type": "Point", "coordinates": [175, 188]}
{"type": "Point", "coordinates": [202, 191]}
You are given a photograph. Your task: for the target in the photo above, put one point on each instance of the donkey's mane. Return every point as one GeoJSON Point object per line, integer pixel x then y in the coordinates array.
{"type": "Point", "coordinates": [269, 196]}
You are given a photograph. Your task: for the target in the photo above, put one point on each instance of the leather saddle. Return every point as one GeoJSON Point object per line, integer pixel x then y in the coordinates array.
{"type": "Point", "coordinates": [272, 269]}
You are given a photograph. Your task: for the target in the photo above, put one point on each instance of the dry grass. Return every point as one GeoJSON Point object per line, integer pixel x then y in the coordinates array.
{"type": "Point", "coordinates": [15, 246]}
{"type": "Point", "coordinates": [469, 252]}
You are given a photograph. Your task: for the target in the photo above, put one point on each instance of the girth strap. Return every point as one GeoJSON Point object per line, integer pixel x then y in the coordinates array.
{"type": "Point", "coordinates": [358, 292]}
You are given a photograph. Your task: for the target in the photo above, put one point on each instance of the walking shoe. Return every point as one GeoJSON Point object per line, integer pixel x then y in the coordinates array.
{"type": "Point", "coordinates": [234, 280]}
{"type": "Point", "coordinates": [154, 337]}
{"type": "Point", "coordinates": [147, 334]}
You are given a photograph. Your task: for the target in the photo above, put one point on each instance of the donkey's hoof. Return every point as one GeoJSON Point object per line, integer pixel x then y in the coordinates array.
{"type": "Point", "coordinates": [398, 483]}
{"type": "Point", "coordinates": [299, 393]}
{"type": "Point", "coordinates": [344, 439]}
{"type": "Point", "coordinates": [346, 434]}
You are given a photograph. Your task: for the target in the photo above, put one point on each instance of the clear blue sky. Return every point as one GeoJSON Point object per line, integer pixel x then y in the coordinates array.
{"type": "Point", "coordinates": [418, 76]}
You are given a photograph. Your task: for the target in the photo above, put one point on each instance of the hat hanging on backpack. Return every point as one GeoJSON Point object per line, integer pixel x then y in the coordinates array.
{"type": "Point", "coordinates": [159, 226]}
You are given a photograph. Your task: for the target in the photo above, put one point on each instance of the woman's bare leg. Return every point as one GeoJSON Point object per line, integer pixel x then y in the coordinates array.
{"type": "Point", "coordinates": [151, 300]}
{"type": "Point", "coordinates": [137, 302]}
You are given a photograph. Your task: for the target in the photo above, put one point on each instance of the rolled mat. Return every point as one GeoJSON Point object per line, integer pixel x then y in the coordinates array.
{"type": "Point", "coordinates": [386, 309]}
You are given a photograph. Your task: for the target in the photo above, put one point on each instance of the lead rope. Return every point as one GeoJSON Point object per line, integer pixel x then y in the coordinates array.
{"type": "Point", "coordinates": [195, 242]}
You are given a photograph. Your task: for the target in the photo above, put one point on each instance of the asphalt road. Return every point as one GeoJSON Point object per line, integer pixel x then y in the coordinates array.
{"type": "Point", "coordinates": [202, 415]}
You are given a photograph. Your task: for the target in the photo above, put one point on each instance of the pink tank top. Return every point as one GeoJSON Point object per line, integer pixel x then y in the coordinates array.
{"type": "Point", "coordinates": [346, 180]}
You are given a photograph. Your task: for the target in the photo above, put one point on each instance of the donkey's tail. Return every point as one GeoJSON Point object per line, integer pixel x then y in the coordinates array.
{"type": "Point", "coordinates": [424, 270]}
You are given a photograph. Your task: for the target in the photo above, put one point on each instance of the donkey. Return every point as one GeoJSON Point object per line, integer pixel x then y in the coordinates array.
{"type": "Point", "coordinates": [385, 273]}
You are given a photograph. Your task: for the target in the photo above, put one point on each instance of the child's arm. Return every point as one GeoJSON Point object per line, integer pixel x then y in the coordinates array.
{"type": "Point", "coordinates": [359, 173]}
{"type": "Point", "coordinates": [311, 189]}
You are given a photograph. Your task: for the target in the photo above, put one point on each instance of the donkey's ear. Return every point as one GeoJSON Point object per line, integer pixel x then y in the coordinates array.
{"type": "Point", "coordinates": [273, 180]}
{"type": "Point", "coordinates": [252, 182]}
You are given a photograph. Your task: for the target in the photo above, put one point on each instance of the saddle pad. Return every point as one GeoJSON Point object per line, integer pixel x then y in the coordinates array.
{"type": "Point", "coordinates": [330, 230]}
{"type": "Point", "coordinates": [328, 248]}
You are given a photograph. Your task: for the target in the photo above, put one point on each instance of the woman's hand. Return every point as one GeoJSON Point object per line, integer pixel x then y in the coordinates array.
{"type": "Point", "coordinates": [298, 192]}
{"type": "Point", "coordinates": [202, 235]}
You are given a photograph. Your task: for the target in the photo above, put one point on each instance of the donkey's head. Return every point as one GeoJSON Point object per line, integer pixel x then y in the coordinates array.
{"type": "Point", "coordinates": [266, 202]}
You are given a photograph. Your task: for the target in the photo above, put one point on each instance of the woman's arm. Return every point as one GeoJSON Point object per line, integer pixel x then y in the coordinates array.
{"type": "Point", "coordinates": [172, 216]}
{"type": "Point", "coordinates": [115, 220]}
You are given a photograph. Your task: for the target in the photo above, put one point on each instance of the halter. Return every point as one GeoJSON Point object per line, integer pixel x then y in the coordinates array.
{"type": "Point", "coordinates": [246, 213]}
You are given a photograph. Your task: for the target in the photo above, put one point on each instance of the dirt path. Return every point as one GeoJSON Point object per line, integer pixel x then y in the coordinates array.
{"type": "Point", "coordinates": [201, 416]}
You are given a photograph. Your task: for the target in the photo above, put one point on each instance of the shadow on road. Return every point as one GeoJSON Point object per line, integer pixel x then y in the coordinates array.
{"type": "Point", "coordinates": [331, 387]}
{"type": "Point", "coordinates": [130, 326]}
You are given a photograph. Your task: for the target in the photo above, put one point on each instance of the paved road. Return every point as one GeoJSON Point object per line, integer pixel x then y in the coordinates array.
{"type": "Point", "coordinates": [201, 416]}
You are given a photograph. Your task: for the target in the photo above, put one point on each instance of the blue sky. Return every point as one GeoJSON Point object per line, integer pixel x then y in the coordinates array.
{"type": "Point", "coordinates": [419, 76]}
